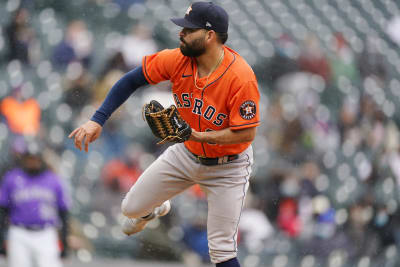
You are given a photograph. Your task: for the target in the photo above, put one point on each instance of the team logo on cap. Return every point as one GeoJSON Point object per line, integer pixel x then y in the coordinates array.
{"type": "Point", "coordinates": [248, 110]}
{"type": "Point", "coordinates": [188, 10]}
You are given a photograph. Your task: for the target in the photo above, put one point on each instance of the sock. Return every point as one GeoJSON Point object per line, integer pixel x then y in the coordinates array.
{"type": "Point", "coordinates": [230, 263]}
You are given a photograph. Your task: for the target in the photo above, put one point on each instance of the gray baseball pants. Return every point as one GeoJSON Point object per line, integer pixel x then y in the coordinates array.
{"type": "Point", "coordinates": [224, 185]}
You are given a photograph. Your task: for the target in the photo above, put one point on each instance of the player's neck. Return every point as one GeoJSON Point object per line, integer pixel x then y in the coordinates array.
{"type": "Point", "coordinates": [209, 62]}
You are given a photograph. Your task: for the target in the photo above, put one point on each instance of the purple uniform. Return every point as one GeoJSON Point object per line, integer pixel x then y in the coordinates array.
{"type": "Point", "coordinates": [33, 201]}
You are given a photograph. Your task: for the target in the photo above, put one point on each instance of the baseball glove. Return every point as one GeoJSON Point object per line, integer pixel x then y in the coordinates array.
{"type": "Point", "coordinates": [166, 124]}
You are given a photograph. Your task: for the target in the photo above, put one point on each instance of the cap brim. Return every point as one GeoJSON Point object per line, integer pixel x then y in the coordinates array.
{"type": "Point", "coordinates": [182, 22]}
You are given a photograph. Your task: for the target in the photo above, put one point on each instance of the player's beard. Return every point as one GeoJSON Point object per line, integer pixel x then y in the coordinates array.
{"type": "Point", "coordinates": [32, 172]}
{"type": "Point", "coordinates": [32, 165]}
{"type": "Point", "coordinates": [195, 49]}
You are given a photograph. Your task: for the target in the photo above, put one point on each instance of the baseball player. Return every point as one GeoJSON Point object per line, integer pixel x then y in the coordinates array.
{"type": "Point", "coordinates": [216, 92]}
{"type": "Point", "coordinates": [33, 201]}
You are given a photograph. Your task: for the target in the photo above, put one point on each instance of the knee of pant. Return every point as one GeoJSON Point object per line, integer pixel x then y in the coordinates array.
{"type": "Point", "coordinates": [218, 256]}
{"type": "Point", "coordinates": [131, 210]}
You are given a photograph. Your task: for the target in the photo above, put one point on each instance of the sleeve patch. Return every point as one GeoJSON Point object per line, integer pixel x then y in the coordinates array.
{"type": "Point", "coordinates": [248, 110]}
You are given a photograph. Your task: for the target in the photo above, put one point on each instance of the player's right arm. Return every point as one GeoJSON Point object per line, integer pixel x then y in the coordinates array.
{"type": "Point", "coordinates": [119, 93]}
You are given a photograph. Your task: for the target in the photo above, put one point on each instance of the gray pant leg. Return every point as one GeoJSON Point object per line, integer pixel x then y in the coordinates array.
{"type": "Point", "coordinates": [226, 196]}
{"type": "Point", "coordinates": [164, 178]}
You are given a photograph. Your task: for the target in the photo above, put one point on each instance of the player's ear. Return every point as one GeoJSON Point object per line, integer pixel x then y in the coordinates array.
{"type": "Point", "coordinates": [210, 35]}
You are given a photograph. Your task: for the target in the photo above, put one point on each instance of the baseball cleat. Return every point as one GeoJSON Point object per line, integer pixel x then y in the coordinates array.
{"type": "Point", "coordinates": [163, 209]}
{"type": "Point", "coordinates": [133, 226]}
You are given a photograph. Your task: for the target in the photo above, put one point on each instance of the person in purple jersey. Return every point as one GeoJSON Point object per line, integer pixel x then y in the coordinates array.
{"type": "Point", "coordinates": [33, 201]}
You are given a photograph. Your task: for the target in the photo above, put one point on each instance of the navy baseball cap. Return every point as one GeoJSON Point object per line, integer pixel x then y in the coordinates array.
{"type": "Point", "coordinates": [204, 15]}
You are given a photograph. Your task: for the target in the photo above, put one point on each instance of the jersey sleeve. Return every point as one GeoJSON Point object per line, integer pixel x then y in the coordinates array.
{"type": "Point", "coordinates": [244, 107]}
{"type": "Point", "coordinates": [63, 201]}
{"type": "Point", "coordinates": [159, 66]}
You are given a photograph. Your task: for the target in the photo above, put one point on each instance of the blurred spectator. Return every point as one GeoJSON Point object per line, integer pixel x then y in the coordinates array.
{"type": "Point", "coordinates": [138, 43]}
{"type": "Point", "coordinates": [348, 119]}
{"type": "Point", "coordinates": [343, 62]}
{"type": "Point", "coordinates": [254, 226]}
{"type": "Point", "coordinates": [271, 194]}
{"type": "Point", "coordinates": [281, 63]}
{"type": "Point", "coordinates": [372, 125]}
{"type": "Point", "coordinates": [309, 172]}
{"type": "Point", "coordinates": [120, 174]}
{"type": "Point", "coordinates": [364, 242]}
{"type": "Point", "coordinates": [114, 69]}
{"type": "Point", "coordinates": [291, 145]}
{"type": "Point", "coordinates": [195, 230]}
{"type": "Point", "coordinates": [385, 224]}
{"type": "Point", "coordinates": [313, 59]}
{"type": "Point", "coordinates": [22, 115]}
{"type": "Point", "coordinates": [195, 238]}
{"type": "Point", "coordinates": [22, 43]}
{"type": "Point", "coordinates": [327, 238]}
{"type": "Point", "coordinates": [115, 62]}
{"type": "Point", "coordinates": [371, 62]}
{"type": "Point", "coordinates": [78, 89]}
{"type": "Point", "coordinates": [76, 46]}
{"type": "Point", "coordinates": [32, 197]}
{"type": "Point", "coordinates": [288, 220]}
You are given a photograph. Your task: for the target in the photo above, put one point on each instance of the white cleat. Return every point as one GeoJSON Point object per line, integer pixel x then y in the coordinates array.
{"type": "Point", "coordinates": [163, 209]}
{"type": "Point", "coordinates": [133, 226]}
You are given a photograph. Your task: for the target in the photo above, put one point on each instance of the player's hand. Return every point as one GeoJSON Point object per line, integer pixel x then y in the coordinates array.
{"type": "Point", "coordinates": [196, 136]}
{"type": "Point", "coordinates": [87, 133]}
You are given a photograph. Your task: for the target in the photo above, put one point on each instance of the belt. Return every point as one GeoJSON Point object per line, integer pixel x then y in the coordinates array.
{"type": "Point", "coordinates": [33, 227]}
{"type": "Point", "coordinates": [214, 161]}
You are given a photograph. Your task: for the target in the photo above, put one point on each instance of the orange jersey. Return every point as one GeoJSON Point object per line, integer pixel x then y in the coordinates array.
{"type": "Point", "coordinates": [229, 99]}
{"type": "Point", "coordinates": [22, 117]}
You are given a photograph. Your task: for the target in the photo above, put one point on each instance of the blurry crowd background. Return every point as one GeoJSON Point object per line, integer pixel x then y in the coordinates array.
{"type": "Point", "coordinates": [325, 186]}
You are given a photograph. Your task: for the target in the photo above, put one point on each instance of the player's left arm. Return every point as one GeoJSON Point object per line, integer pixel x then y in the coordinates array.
{"type": "Point", "coordinates": [64, 231]}
{"type": "Point", "coordinates": [225, 137]}
{"type": "Point", "coordinates": [63, 204]}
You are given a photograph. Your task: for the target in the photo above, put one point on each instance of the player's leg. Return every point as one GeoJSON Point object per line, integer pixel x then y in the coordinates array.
{"type": "Point", "coordinates": [164, 178]}
{"type": "Point", "coordinates": [47, 254]}
{"type": "Point", "coordinates": [18, 251]}
{"type": "Point", "coordinates": [224, 210]}
{"type": "Point", "coordinates": [226, 195]}
{"type": "Point", "coordinates": [132, 226]}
